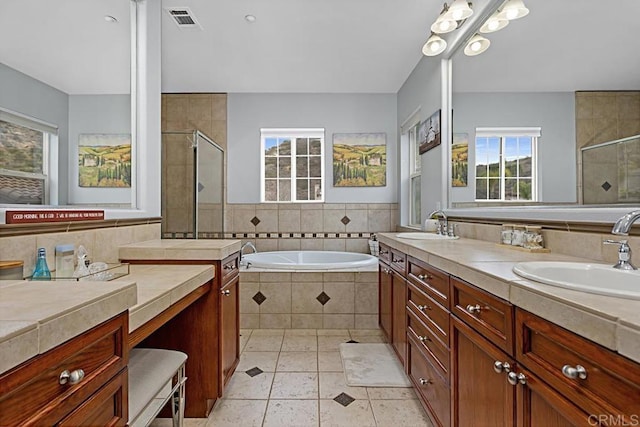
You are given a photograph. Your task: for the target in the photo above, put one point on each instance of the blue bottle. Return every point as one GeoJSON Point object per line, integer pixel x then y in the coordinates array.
{"type": "Point", "coordinates": [41, 272]}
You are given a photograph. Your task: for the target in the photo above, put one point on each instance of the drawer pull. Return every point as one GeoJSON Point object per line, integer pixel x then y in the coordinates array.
{"type": "Point", "coordinates": [425, 382]}
{"type": "Point", "coordinates": [501, 367]}
{"type": "Point", "coordinates": [578, 372]}
{"type": "Point", "coordinates": [423, 308]}
{"type": "Point", "coordinates": [73, 377]}
{"type": "Point", "coordinates": [425, 276]}
{"type": "Point", "coordinates": [398, 260]}
{"type": "Point", "coordinates": [382, 252]}
{"type": "Point", "coordinates": [229, 266]}
{"type": "Point", "coordinates": [226, 292]}
{"type": "Point", "coordinates": [423, 339]}
{"type": "Point", "coordinates": [386, 270]}
{"type": "Point", "coordinates": [473, 309]}
{"type": "Point", "coordinates": [514, 378]}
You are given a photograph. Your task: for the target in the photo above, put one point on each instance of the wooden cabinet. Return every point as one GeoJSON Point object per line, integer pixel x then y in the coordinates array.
{"type": "Point", "coordinates": [81, 382]}
{"type": "Point", "coordinates": [229, 320]}
{"type": "Point", "coordinates": [399, 335]}
{"type": "Point", "coordinates": [385, 302]}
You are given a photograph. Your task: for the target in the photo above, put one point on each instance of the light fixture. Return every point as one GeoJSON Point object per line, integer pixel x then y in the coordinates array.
{"type": "Point", "coordinates": [476, 45]}
{"type": "Point", "coordinates": [494, 23]}
{"type": "Point", "coordinates": [459, 10]}
{"type": "Point", "coordinates": [250, 18]}
{"type": "Point", "coordinates": [444, 25]}
{"type": "Point", "coordinates": [513, 9]}
{"type": "Point", "coordinates": [435, 45]}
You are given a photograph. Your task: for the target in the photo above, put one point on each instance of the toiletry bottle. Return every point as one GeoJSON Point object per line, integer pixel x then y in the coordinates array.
{"type": "Point", "coordinates": [41, 272]}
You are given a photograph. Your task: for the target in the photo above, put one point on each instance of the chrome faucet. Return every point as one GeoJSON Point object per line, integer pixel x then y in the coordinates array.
{"type": "Point", "coordinates": [622, 228]}
{"type": "Point", "coordinates": [443, 224]}
{"type": "Point", "coordinates": [247, 245]}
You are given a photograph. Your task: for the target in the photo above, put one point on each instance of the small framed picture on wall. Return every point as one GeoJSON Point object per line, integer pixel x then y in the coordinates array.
{"type": "Point", "coordinates": [429, 137]}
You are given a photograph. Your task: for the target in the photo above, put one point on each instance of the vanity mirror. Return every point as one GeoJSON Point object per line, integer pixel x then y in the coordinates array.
{"type": "Point", "coordinates": [569, 68]}
{"type": "Point", "coordinates": [65, 70]}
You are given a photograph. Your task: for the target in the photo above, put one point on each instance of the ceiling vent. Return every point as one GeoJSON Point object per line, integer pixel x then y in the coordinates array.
{"type": "Point", "coordinates": [183, 17]}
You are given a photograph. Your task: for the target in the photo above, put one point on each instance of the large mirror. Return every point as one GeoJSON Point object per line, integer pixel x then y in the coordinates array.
{"type": "Point", "coordinates": [569, 70]}
{"type": "Point", "coordinates": [65, 74]}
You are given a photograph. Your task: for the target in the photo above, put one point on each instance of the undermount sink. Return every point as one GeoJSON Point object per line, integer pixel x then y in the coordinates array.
{"type": "Point", "coordinates": [591, 278]}
{"type": "Point", "coordinates": [424, 236]}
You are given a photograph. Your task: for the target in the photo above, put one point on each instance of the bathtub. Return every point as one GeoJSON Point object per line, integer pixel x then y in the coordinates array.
{"type": "Point", "coordinates": [309, 260]}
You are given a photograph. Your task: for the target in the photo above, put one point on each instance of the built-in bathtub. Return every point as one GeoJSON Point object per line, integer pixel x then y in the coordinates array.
{"type": "Point", "coordinates": [309, 289]}
{"type": "Point", "coordinates": [309, 260]}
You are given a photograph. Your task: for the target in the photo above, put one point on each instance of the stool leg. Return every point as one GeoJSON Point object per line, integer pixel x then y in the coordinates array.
{"type": "Point", "coordinates": [177, 403]}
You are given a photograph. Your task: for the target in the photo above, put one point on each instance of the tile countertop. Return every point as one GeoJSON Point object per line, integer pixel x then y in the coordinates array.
{"type": "Point", "coordinates": [611, 322]}
{"type": "Point", "coordinates": [37, 316]}
{"type": "Point", "coordinates": [180, 249]}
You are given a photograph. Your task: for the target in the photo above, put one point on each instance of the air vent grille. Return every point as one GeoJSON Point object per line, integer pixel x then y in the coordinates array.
{"type": "Point", "coordinates": [183, 17]}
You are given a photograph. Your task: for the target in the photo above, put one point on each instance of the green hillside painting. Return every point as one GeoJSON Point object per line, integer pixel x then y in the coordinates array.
{"type": "Point", "coordinates": [104, 160]}
{"type": "Point", "coordinates": [359, 159]}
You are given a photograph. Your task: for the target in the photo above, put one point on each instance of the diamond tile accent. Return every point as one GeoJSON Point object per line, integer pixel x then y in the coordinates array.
{"type": "Point", "coordinates": [606, 186]}
{"type": "Point", "coordinates": [344, 399]}
{"type": "Point", "coordinates": [323, 298]}
{"type": "Point", "coordinates": [259, 298]}
{"type": "Point", "coordinates": [345, 220]}
{"type": "Point", "coordinates": [352, 342]}
{"type": "Point", "coordinates": [255, 220]}
{"type": "Point", "coordinates": [254, 371]}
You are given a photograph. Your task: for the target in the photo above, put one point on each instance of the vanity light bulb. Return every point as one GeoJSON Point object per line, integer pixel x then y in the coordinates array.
{"type": "Point", "coordinates": [434, 46]}
{"type": "Point", "coordinates": [493, 24]}
{"type": "Point", "coordinates": [445, 25]}
{"type": "Point", "coordinates": [512, 14]}
{"type": "Point", "coordinates": [475, 46]}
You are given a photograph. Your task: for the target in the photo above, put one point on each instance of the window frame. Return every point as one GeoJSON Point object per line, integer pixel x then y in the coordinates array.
{"type": "Point", "coordinates": [415, 173]}
{"type": "Point", "coordinates": [293, 134]}
{"type": "Point", "coordinates": [503, 133]}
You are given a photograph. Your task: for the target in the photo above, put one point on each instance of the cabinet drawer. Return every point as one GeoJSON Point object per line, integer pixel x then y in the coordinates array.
{"type": "Point", "coordinates": [422, 334]}
{"type": "Point", "coordinates": [432, 281]}
{"type": "Point", "coordinates": [489, 315]}
{"type": "Point", "coordinates": [611, 383]}
{"type": "Point", "coordinates": [433, 389]}
{"type": "Point", "coordinates": [385, 253]}
{"type": "Point", "coordinates": [429, 311]}
{"type": "Point", "coordinates": [398, 261]}
{"type": "Point", "coordinates": [104, 408]}
{"type": "Point", "coordinates": [31, 394]}
{"type": "Point", "coordinates": [229, 267]}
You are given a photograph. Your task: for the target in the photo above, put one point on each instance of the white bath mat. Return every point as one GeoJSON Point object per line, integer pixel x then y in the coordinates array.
{"type": "Point", "coordinates": [372, 365]}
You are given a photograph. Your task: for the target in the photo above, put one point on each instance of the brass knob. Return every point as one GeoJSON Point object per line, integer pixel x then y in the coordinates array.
{"type": "Point", "coordinates": [425, 382]}
{"type": "Point", "coordinates": [73, 377]}
{"type": "Point", "coordinates": [473, 309]}
{"type": "Point", "coordinates": [514, 378]}
{"type": "Point", "coordinates": [423, 308]}
{"type": "Point", "coordinates": [501, 367]}
{"type": "Point", "coordinates": [579, 372]}
{"type": "Point", "coordinates": [226, 292]}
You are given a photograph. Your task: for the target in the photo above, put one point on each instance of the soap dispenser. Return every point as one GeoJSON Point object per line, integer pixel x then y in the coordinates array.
{"type": "Point", "coordinates": [41, 272]}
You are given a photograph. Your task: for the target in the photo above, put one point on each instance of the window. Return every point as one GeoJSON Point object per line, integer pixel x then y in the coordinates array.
{"type": "Point", "coordinates": [292, 166]}
{"type": "Point", "coordinates": [506, 164]}
{"type": "Point", "coordinates": [414, 177]}
{"type": "Point", "coordinates": [24, 159]}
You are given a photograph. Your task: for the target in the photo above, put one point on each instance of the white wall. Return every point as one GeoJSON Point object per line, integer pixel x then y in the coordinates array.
{"type": "Point", "coordinates": [336, 113]}
{"type": "Point", "coordinates": [26, 95]}
{"type": "Point", "coordinates": [422, 89]}
{"type": "Point", "coordinates": [102, 114]}
{"type": "Point", "coordinates": [554, 112]}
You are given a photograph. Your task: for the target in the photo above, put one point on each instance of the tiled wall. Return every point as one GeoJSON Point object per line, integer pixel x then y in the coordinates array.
{"type": "Point", "coordinates": [602, 117]}
{"type": "Point", "coordinates": [101, 243]}
{"type": "Point", "coordinates": [325, 226]}
{"type": "Point", "coordinates": [315, 300]}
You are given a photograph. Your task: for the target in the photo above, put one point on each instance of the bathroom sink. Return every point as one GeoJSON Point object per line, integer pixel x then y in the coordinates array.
{"type": "Point", "coordinates": [424, 236]}
{"type": "Point", "coordinates": [599, 279]}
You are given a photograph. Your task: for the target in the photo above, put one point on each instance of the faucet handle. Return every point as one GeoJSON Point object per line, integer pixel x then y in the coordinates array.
{"type": "Point", "coordinates": [622, 243]}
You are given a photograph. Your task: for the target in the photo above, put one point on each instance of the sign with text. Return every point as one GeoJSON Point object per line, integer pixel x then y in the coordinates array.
{"type": "Point", "coordinates": [41, 215]}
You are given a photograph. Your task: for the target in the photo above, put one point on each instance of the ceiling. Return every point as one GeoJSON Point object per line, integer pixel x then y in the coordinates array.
{"type": "Point", "coordinates": [321, 46]}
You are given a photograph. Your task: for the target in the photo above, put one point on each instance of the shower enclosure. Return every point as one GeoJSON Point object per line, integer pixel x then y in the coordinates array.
{"type": "Point", "coordinates": [192, 186]}
{"type": "Point", "coordinates": [611, 172]}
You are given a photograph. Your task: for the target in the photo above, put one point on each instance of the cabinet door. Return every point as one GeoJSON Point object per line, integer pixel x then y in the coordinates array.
{"type": "Point", "coordinates": [538, 405]}
{"type": "Point", "coordinates": [384, 299]}
{"type": "Point", "coordinates": [481, 396]}
{"type": "Point", "coordinates": [399, 335]}
{"type": "Point", "coordinates": [229, 330]}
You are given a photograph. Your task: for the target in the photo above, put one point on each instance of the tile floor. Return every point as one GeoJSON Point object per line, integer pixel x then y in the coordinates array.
{"type": "Point", "coordinates": [294, 377]}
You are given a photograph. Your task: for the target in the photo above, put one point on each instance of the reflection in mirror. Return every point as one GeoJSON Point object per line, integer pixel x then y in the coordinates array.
{"type": "Point", "coordinates": [555, 71]}
{"type": "Point", "coordinates": [65, 74]}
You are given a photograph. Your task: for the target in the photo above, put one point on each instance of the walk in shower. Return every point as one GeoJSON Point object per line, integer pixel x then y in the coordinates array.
{"type": "Point", "coordinates": [192, 186]}
{"type": "Point", "coordinates": [611, 172]}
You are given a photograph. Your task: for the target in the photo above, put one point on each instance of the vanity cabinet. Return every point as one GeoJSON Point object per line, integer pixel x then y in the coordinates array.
{"type": "Point", "coordinates": [80, 382]}
{"type": "Point", "coordinates": [392, 296]}
{"type": "Point", "coordinates": [229, 319]}
{"type": "Point", "coordinates": [385, 301]}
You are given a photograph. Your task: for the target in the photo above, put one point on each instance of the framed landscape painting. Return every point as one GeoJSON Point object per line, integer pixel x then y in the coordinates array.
{"type": "Point", "coordinates": [359, 159]}
{"type": "Point", "coordinates": [431, 133]}
{"type": "Point", "coordinates": [104, 160]}
{"type": "Point", "coordinates": [460, 160]}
